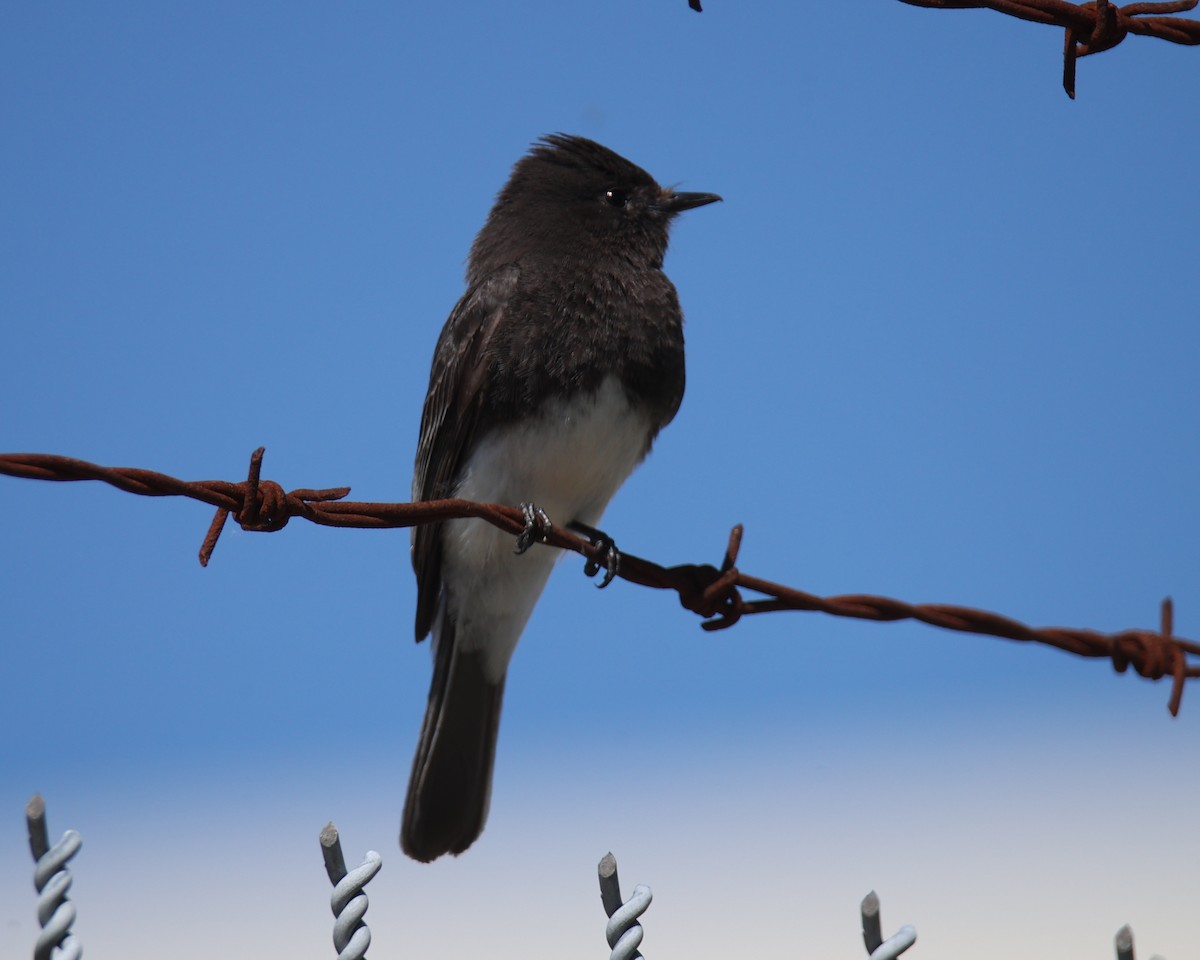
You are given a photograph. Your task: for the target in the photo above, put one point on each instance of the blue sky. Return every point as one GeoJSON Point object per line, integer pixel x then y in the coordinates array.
{"type": "Point", "coordinates": [942, 342]}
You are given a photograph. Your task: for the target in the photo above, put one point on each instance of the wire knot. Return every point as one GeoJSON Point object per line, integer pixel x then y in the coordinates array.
{"type": "Point", "coordinates": [265, 505]}
{"type": "Point", "coordinates": [1154, 655]}
{"type": "Point", "coordinates": [1109, 27]}
{"type": "Point", "coordinates": [711, 592]}
{"type": "Point", "coordinates": [1150, 656]}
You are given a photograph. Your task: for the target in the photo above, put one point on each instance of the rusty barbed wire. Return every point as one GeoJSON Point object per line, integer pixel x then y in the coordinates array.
{"type": "Point", "coordinates": [1090, 27]}
{"type": "Point", "coordinates": [714, 593]}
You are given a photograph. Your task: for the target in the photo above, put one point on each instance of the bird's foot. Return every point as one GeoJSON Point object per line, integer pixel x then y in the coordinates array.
{"type": "Point", "coordinates": [537, 525]}
{"type": "Point", "coordinates": [612, 556]}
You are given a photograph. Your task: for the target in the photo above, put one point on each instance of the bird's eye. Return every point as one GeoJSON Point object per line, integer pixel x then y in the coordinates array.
{"type": "Point", "coordinates": [616, 198]}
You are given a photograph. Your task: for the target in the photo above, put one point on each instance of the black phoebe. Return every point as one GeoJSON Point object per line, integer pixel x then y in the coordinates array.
{"type": "Point", "coordinates": [550, 380]}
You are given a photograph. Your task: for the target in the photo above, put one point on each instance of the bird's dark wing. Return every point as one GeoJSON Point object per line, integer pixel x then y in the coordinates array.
{"type": "Point", "coordinates": [450, 420]}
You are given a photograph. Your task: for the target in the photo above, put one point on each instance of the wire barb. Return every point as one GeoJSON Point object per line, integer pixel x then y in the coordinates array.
{"type": "Point", "coordinates": [52, 880]}
{"type": "Point", "coordinates": [351, 937]}
{"type": "Point", "coordinates": [714, 593]}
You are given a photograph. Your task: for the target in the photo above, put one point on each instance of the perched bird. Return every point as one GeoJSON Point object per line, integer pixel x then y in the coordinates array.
{"type": "Point", "coordinates": [550, 381]}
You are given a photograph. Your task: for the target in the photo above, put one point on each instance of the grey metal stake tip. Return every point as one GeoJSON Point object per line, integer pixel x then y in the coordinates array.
{"type": "Point", "coordinates": [1124, 943]}
{"type": "Point", "coordinates": [610, 884]}
{"type": "Point", "coordinates": [331, 850]}
{"type": "Point", "coordinates": [35, 820]}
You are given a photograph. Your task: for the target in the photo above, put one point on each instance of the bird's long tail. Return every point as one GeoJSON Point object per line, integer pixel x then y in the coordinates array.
{"type": "Point", "coordinates": [451, 780]}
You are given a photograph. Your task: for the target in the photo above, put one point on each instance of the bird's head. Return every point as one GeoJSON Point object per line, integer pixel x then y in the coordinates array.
{"type": "Point", "coordinates": [571, 197]}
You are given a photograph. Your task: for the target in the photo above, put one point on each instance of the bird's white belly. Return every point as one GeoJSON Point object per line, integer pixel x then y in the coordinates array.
{"type": "Point", "coordinates": [569, 461]}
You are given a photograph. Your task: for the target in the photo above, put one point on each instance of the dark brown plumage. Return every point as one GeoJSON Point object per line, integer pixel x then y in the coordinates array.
{"type": "Point", "coordinates": [550, 380]}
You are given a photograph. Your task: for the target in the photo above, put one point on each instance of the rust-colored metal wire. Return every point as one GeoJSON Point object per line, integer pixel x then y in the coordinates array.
{"type": "Point", "coordinates": [1090, 27]}
{"type": "Point", "coordinates": [715, 593]}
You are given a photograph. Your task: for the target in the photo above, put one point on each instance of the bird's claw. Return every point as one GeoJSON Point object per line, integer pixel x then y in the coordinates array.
{"type": "Point", "coordinates": [611, 559]}
{"type": "Point", "coordinates": [537, 526]}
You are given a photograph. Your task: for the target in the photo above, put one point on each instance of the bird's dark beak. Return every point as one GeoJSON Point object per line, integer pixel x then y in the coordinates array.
{"type": "Point", "coordinates": [672, 202]}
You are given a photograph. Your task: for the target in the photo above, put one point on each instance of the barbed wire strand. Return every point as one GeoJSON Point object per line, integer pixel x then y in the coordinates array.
{"type": "Point", "coordinates": [714, 593]}
{"type": "Point", "coordinates": [1090, 27]}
